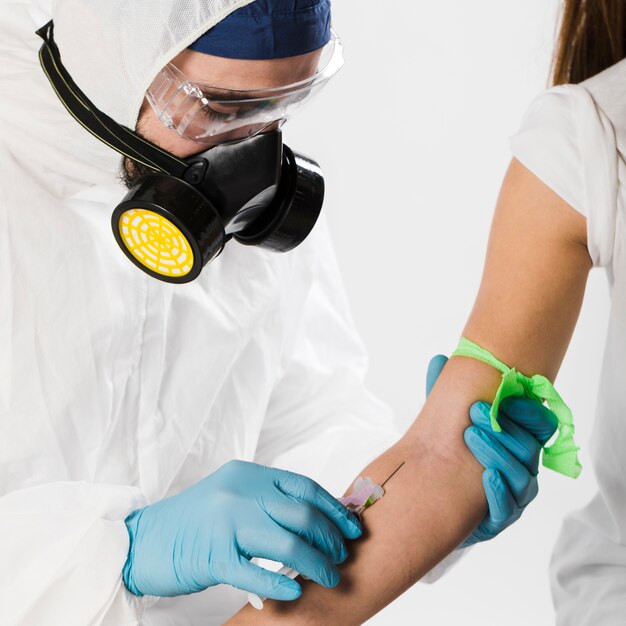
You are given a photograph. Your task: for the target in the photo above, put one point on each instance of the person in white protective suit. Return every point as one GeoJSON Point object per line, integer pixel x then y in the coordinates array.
{"type": "Point", "coordinates": [125, 399]}
{"type": "Point", "coordinates": [119, 390]}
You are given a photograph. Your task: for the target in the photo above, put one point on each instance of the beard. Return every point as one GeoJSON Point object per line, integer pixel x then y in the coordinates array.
{"type": "Point", "coordinates": [132, 172]}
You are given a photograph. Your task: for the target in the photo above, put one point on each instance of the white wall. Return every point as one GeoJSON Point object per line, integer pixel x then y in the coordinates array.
{"type": "Point", "coordinates": [412, 136]}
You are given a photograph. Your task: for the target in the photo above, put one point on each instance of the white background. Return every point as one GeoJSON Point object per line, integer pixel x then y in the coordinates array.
{"type": "Point", "coordinates": [413, 137]}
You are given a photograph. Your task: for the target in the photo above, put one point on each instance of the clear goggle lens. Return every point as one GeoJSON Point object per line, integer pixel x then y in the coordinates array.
{"type": "Point", "coordinates": [211, 115]}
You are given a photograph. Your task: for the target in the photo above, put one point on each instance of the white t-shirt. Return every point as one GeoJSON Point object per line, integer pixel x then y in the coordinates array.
{"type": "Point", "coordinates": [573, 137]}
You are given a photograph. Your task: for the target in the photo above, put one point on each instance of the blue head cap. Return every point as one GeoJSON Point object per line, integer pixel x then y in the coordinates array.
{"type": "Point", "coordinates": [269, 29]}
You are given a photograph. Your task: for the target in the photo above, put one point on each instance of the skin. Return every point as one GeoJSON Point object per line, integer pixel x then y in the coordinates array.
{"type": "Point", "coordinates": [231, 74]}
{"type": "Point", "coordinates": [525, 313]}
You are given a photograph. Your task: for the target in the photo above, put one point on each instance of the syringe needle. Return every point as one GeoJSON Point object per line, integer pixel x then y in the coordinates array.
{"type": "Point", "coordinates": [392, 474]}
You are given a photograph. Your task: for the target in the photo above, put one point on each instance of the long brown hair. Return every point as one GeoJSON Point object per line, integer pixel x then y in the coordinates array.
{"type": "Point", "coordinates": [591, 37]}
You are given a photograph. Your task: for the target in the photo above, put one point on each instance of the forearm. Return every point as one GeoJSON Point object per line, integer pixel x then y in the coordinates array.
{"type": "Point", "coordinates": [430, 506]}
{"type": "Point", "coordinates": [525, 313]}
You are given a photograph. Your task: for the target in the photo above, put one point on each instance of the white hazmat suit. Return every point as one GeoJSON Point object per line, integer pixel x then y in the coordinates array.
{"type": "Point", "coordinates": [117, 390]}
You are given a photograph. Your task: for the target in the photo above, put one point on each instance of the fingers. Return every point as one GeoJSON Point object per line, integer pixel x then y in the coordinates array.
{"type": "Point", "coordinates": [307, 522]}
{"type": "Point", "coordinates": [280, 545]}
{"type": "Point", "coordinates": [307, 490]}
{"type": "Point", "coordinates": [264, 583]}
{"type": "Point", "coordinates": [531, 416]}
{"type": "Point", "coordinates": [491, 454]}
{"type": "Point", "coordinates": [503, 509]}
{"type": "Point", "coordinates": [436, 365]}
{"type": "Point", "coordinates": [518, 441]}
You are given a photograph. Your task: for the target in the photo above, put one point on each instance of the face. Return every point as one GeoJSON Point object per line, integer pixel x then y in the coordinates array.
{"type": "Point", "coordinates": [236, 74]}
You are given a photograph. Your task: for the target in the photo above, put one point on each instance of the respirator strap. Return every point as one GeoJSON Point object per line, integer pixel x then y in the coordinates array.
{"type": "Point", "coordinates": [116, 136]}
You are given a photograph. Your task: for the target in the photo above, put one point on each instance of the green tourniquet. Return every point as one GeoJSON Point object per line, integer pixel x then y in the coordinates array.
{"type": "Point", "coordinates": [562, 455]}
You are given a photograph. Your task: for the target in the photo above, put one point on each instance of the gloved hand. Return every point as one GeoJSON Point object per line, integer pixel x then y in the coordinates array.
{"type": "Point", "coordinates": [207, 534]}
{"type": "Point", "coordinates": [510, 458]}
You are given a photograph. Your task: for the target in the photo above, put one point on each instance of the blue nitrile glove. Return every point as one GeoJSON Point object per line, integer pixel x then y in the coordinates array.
{"type": "Point", "coordinates": [207, 534]}
{"type": "Point", "coordinates": [510, 458]}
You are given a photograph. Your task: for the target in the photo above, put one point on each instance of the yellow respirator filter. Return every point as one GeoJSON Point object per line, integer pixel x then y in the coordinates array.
{"type": "Point", "coordinates": [156, 243]}
{"type": "Point", "coordinates": [167, 228]}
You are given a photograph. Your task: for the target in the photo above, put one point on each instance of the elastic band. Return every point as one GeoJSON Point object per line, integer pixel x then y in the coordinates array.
{"type": "Point", "coordinates": [562, 455]}
{"type": "Point", "coordinates": [100, 125]}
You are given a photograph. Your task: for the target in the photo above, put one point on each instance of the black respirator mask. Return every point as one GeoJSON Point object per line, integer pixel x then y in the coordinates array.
{"type": "Point", "coordinates": [180, 216]}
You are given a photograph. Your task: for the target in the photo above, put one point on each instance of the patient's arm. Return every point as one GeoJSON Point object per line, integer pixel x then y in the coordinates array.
{"type": "Point", "coordinates": [527, 307]}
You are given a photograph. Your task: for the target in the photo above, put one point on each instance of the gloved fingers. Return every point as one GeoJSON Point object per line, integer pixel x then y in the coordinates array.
{"type": "Point", "coordinates": [490, 453]}
{"type": "Point", "coordinates": [435, 367]}
{"type": "Point", "coordinates": [307, 522]}
{"type": "Point", "coordinates": [532, 416]}
{"type": "Point", "coordinates": [503, 509]}
{"type": "Point", "coordinates": [263, 583]}
{"type": "Point", "coordinates": [278, 544]}
{"type": "Point", "coordinates": [519, 442]}
{"type": "Point", "coordinates": [480, 534]}
{"type": "Point", "coordinates": [531, 492]}
{"type": "Point", "coordinates": [303, 488]}
{"type": "Point", "coordinates": [468, 541]}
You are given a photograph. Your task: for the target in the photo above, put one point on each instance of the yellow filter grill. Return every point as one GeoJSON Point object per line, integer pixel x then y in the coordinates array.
{"type": "Point", "coordinates": [156, 243]}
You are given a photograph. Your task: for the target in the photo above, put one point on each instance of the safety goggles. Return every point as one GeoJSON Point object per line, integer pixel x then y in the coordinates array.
{"type": "Point", "coordinates": [212, 115]}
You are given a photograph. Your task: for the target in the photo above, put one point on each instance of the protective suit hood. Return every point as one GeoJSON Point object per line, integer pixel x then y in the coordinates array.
{"type": "Point", "coordinates": [113, 49]}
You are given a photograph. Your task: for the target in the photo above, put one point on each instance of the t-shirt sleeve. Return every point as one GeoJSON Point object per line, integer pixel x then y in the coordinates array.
{"type": "Point", "coordinates": [568, 142]}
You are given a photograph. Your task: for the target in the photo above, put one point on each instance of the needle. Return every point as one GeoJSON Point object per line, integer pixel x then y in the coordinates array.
{"type": "Point", "coordinates": [393, 474]}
